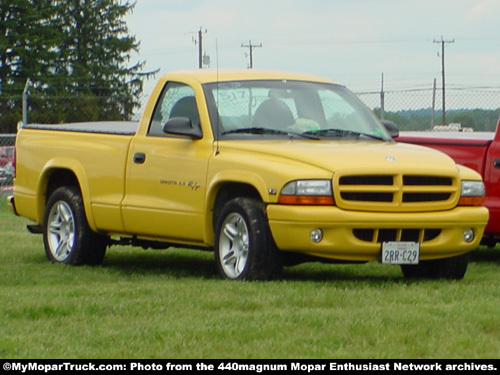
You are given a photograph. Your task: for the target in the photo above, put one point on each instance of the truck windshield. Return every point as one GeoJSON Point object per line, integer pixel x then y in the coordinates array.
{"type": "Point", "coordinates": [294, 109]}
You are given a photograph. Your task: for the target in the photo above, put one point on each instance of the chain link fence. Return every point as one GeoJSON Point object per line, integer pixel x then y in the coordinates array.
{"type": "Point", "coordinates": [417, 109]}
{"type": "Point", "coordinates": [421, 109]}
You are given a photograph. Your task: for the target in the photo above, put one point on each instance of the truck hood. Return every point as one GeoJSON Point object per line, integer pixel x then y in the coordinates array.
{"type": "Point", "coordinates": [360, 156]}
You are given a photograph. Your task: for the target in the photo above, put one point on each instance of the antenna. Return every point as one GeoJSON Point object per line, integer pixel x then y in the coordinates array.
{"type": "Point", "coordinates": [217, 130]}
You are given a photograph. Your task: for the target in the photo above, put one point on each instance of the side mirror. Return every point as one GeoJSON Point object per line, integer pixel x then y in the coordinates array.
{"type": "Point", "coordinates": [182, 126]}
{"type": "Point", "coordinates": [391, 127]}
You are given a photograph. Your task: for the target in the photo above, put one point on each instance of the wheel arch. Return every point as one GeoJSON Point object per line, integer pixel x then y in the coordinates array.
{"type": "Point", "coordinates": [225, 190]}
{"type": "Point", "coordinates": [58, 173]}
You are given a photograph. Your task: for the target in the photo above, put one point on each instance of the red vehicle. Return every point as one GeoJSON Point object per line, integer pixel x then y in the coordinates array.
{"type": "Point", "coordinates": [7, 165]}
{"type": "Point", "coordinates": [477, 150]}
{"type": "Point", "coordinates": [7, 155]}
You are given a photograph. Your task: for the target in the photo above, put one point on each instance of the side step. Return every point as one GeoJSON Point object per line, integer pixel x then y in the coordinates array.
{"type": "Point", "coordinates": [35, 228]}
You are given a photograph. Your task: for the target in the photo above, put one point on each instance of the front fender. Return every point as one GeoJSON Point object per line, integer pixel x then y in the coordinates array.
{"type": "Point", "coordinates": [222, 178]}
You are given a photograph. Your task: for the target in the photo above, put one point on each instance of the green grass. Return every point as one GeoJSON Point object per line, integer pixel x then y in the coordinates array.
{"type": "Point", "coordinates": [171, 304]}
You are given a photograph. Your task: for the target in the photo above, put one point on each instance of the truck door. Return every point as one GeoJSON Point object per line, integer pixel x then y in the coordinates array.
{"type": "Point", "coordinates": [166, 174]}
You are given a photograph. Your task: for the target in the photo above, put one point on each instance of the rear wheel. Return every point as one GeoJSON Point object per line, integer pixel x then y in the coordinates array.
{"type": "Point", "coordinates": [244, 248]}
{"type": "Point", "coordinates": [66, 233]}
{"type": "Point", "coordinates": [453, 268]}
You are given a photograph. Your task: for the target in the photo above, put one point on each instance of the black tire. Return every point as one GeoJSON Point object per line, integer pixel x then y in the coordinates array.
{"type": "Point", "coordinates": [244, 247]}
{"type": "Point", "coordinates": [453, 268]}
{"type": "Point", "coordinates": [67, 236]}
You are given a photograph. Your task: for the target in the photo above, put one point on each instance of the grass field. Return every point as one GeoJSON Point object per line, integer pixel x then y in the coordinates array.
{"type": "Point", "coordinates": [171, 304]}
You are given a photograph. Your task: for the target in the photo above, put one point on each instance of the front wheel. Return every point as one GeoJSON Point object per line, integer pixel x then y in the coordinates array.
{"type": "Point", "coordinates": [66, 233]}
{"type": "Point", "coordinates": [244, 247]}
{"type": "Point", "coordinates": [453, 268]}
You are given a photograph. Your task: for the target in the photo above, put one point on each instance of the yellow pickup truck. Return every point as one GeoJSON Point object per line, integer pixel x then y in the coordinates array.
{"type": "Point", "coordinates": [267, 169]}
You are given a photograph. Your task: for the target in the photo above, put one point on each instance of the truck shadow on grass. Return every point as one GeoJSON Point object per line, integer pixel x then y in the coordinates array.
{"type": "Point", "coordinates": [201, 265]}
{"type": "Point", "coordinates": [168, 263]}
{"type": "Point", "coordinates": [486, 255]}
{"type": "Point", "coordinates": [195, 264]}
{"type": "Point", "coordinates": [179, 264]}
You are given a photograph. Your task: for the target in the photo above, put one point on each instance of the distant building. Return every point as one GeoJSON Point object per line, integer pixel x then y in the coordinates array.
{"type": "Point", "coordinates": [453, 127]}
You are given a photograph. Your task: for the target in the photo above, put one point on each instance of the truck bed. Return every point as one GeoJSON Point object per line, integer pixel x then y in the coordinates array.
{"type": "Point", "coordinates": [460, 138]}
{"type": "Point", "coordinates": [105, 127]}
{"type": "Point", "coordinates": [469, 149]}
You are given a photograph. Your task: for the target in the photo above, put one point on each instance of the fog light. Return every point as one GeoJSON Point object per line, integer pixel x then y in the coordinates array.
{"type": "Point", "coordinates": [316, 235]}
{"type": "Point", "coordinates": [469, 235]}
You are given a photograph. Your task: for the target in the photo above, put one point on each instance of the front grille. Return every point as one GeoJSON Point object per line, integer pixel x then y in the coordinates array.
{"type": "Point", "coordinates": [427, 180]}
{"type": "Point", "coordinates": [395, 192]}
{"type": "Point", "coordinates": [384, 235]}
{"type": "Point", "coordinates": [366, 180]}
{"type": "Point", "coordinates": [425, 197]}
{"type": "Point", "coordinates": [368, 197]}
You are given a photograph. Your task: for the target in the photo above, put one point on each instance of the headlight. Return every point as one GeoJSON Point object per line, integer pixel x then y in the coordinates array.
{"type": "Point", "coordinates": [472, 189]}
{"type": "Point", "coordinates": [307, 192]}
{"type": "Point", "coordinates": [473, 193]}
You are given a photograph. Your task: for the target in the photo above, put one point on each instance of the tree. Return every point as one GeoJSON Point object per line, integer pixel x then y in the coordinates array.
{"type": "Point", "coordinates": [463, 118]}
{"type": "Point", "coordinates": [27, 35]}
{"type": "Point", "coordinates": [75, 52]}
{"type": "Point", "coordinates": [98, 49]}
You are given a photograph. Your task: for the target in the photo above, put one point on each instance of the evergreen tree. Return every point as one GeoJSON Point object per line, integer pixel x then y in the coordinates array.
{"type": "Point", "coordinates": [77, 52]}
{"type": "Point", "coordinates": [98, 50]}
{"type": "Point", "coordinates": [27, 36]}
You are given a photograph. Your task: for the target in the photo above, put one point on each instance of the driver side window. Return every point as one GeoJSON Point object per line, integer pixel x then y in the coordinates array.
{"type": "Point", "coordinates": [176, 100]}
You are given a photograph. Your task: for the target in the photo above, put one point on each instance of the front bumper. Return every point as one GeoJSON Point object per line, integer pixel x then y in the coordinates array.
{"type": "Point", "coordinates": [357, 236]}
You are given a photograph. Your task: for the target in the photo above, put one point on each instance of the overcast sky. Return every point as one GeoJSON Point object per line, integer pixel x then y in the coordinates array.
{"type": "Point", "coordinates": [351, 41]}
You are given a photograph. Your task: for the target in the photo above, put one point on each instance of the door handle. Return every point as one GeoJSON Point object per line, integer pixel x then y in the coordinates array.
{"type": "Point", "coordinates": [139, 158]}
{"type": "Point", "coordinates": [496, 163]}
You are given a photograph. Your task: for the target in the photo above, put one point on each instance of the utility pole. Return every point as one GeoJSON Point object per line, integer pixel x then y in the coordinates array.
{"type": "Point", "coordinates": [251, 46]}
{"type": "Point", "coordinates": [443, 42]}
{"type": "Point", "coordinates": [200, 46]}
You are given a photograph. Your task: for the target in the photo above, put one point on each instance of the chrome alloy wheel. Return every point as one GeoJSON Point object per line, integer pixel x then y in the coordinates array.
{"type": "Point", "coordinates": [233, 245]}
{"type": "Point", "coordinates": [61, 231]}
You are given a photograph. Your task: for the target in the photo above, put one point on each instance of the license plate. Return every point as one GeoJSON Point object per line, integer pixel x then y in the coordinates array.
{"type": "Point", "coordinates": [400, 252]}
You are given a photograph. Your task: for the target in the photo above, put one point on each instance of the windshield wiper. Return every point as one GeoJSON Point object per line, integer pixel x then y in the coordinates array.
{"type": "Point", "coordinates": [341, 132]}
{"type": "Point", "coordinates": [270, 131]}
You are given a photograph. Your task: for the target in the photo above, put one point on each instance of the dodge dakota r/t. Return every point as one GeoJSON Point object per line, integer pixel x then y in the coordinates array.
{"type": "Point", "coordinates": [267, 169]}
